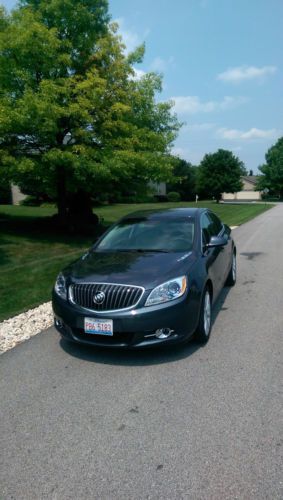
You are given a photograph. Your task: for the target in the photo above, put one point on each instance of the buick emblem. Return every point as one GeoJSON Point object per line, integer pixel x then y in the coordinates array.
{"type": "Point", "coordinates": [99, 298]}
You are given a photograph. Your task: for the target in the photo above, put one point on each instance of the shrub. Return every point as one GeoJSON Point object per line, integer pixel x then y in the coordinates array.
{"type": "Point", "coordinates": [31, 201]}
{"type": "Point", "coordinates": [160, 198]}
{"type": "Point", "coordinates": [173, 196]}
{"type": "Point", "coordinates": [5, 192]}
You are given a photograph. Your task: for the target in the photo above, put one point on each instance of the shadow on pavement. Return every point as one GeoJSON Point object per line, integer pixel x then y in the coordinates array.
{"type": "Point", "coordinates": [140, 357]}
{"type": "Point", "coordinates": [218, 306]}
{"type": "Point", "coordinates": [127, 357]}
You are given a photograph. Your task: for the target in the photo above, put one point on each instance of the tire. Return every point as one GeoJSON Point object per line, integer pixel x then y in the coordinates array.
{"type": "Point", "coordinates": [232, 276]}
{"type": "Point", "coordinates": [204, 325]}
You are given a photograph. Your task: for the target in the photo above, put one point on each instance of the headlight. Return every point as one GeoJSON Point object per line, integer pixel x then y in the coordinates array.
{"type": "Point", "coordinates": [170, 290]}
{"type": "Point", "coordinates": [60, 286]}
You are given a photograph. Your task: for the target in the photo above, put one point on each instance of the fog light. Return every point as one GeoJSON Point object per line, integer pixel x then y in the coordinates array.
{"type": "Point", "coordinates": [163, 333]}
{"type": "Point", "coordinates": [59, 323]}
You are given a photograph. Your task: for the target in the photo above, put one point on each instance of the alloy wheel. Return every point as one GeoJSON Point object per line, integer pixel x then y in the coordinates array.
{"type": "Point", "coordinates": [234, 267]}
{"type": "Point", "coordinates": [207, 313]}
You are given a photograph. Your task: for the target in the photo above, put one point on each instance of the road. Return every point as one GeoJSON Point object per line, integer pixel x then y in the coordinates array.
{"type": "Point", "coordinates": [189, 423]}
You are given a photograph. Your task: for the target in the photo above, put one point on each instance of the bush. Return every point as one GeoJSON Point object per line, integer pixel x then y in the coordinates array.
{"type": "Point", "coordinates": [138, 198]}
{"type": "Point", "coordinates": [160, 198]}
{"type": "Point", "coordinates": [5, 193]}
{"type": "Point", "coordinates": [31, 201]}
{"type": "Point", "coordinates": [173, 196]}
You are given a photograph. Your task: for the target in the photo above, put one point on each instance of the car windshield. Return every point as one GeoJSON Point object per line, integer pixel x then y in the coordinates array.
{"type": "Point", "coordinates": [145, 235]}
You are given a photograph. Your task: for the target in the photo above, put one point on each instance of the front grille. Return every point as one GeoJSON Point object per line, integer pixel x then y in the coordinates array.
{"type": "Point", "coordinates": [115, 296]}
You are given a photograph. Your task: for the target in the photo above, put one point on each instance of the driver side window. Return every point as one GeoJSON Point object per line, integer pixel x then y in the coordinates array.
{"type": "Point", "coordinates": [205, 223]}
{"type": "Point", "coordinates": [216, 224]}
{"type": "Point", "coordinates": [207, 230]}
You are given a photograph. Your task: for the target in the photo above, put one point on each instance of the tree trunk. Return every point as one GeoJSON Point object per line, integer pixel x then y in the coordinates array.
{"type": "Point", "coordinates": [218, 197]}
{"type": "Point", "coordinates": [80, 207]}
{"type": "Point", "coordinates": [62, 197]}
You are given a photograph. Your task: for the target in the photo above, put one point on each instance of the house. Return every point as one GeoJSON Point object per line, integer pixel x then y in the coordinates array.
{"type": "Point", "coordinates": [248, 192]}
{"type": "Point", "coordinates": [158, 188]}
{"type": "Point", "coordinates": [16, 195]}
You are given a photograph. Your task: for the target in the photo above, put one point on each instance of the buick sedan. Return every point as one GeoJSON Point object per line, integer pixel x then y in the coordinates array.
{"type": "Point", "coordinates": [151, 279]}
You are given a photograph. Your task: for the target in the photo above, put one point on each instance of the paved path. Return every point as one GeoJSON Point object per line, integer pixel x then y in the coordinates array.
{"type": "Point", "coordinates": [193, 423]}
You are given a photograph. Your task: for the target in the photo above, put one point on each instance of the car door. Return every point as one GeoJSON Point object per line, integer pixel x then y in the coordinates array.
{"type": "Point", "coordinates": [215, 257]}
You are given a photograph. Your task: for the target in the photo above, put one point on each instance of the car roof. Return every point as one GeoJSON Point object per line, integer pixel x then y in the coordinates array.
{"type": "Point", "coordinates": [165, 213]}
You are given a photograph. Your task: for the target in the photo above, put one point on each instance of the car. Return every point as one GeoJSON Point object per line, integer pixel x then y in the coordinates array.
{"type": "Point", "coordinates": [150, 280]}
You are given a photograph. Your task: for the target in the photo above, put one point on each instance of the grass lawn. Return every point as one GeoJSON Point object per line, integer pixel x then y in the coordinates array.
{"type": "Point", "coordinates": [32, 254]}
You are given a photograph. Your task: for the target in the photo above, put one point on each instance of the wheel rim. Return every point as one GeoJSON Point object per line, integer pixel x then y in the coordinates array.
{"type": "Point", "coordinates": [207, 313]}
{"type": "Point", "coordinates": [234, 267]}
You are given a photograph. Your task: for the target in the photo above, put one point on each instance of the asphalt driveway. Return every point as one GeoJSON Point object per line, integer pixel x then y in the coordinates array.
{"type": "Point", "coordinates": [192, 423]}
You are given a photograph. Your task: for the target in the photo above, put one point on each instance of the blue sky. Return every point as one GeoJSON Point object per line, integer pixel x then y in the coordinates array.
{"type": "Point", "coordinates": [222, 65]}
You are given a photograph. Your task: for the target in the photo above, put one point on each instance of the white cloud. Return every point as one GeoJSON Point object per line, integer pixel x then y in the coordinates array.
{"type": "Point", "coordinates": [193, 104]}
{"type": "Point", "coordinates": [252, 133]}
{"type": "Point", "coordinates": [243, 73]}
{"type": "Point", "coordinates": [130, 37]}
{"type": "Point", "coordinates": [189, 154]}
{"type": "Point", "coordinates": [199, 127]}
{"type": "Point", "coordinates": [139, 73]}
{"type": "Point", "coordinates": [160, 65]}
{"type": "Point", "coordinates": [177, 151]}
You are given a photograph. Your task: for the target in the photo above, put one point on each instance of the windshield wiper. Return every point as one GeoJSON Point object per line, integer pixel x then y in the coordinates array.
{"type": "Point", "coordinates": [144, 250]}
{"type": "Point", "coordinates": [140, 250]}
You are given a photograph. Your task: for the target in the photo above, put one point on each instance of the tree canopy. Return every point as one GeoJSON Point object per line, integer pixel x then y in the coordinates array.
{"type": "Point", "coordinates": [218, 173]}
{"type": "Point", "coordinates": [73, 116]}
{"type": "Point", "coordinates": [272, 170]}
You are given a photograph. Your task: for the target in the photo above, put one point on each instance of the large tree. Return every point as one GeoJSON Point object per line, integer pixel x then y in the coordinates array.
{"type": "Point", "coordinates": [272, 170]}
{"type": "Point", "coordinates": [218, 173]}
{"type": "Point", "coordinates": [73, 117]}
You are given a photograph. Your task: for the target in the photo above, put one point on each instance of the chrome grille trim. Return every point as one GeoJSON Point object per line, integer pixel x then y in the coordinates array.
{"type": "Point", "coordinates": [117, 297]}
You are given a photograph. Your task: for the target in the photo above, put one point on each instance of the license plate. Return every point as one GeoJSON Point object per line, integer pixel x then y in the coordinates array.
{"type": "Point", "coordinates": [99, 327]}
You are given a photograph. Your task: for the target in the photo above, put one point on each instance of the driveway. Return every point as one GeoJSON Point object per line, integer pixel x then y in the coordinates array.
{"type": "Point", "coordinates": [189, 423]}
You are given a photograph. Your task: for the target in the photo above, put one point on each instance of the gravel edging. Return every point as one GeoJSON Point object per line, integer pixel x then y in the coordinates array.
{"type": "Point", "coordinates": [15, 330]}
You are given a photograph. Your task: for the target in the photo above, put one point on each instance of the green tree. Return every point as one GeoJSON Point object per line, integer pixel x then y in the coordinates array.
{"type": "Point", "coordinates": [184, 179]}
{"type": "Point", "coordinates": [73, 117]}
{"type": "Point", "coordinates": [218, 173]}
{"type": "Point", "coordinates": [272, 170]}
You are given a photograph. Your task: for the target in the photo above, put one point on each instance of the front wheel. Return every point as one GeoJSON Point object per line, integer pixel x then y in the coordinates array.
{"type": "Point", "coordinates": [204, 325]}
{"type": "Point", "coordinates": [232, 276]}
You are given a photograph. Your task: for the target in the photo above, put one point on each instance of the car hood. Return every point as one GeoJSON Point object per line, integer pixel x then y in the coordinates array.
{"type": "Point", "coordinates": [147, 269]}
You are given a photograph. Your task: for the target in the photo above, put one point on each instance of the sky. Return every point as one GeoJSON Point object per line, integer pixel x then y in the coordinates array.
{"type": "Point", "coordinates": [222, 65]}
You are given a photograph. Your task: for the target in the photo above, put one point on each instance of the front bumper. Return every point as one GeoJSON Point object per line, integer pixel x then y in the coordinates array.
{"type": "Point", "coordinates": [132, 328]}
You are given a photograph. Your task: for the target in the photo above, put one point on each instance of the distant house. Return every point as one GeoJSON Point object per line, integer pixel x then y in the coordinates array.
{"type": "Point", "coordinates": [248, 192]}
{"type": "Point", "coordinates": [16, 195]}
{"type": "Point", "coordinates": [158, 188]}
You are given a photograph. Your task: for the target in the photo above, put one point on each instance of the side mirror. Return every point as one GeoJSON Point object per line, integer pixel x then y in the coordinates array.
{"type": "Point", "coordinates": [217, 241]}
